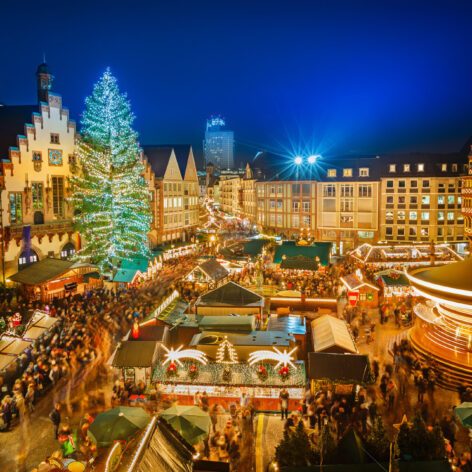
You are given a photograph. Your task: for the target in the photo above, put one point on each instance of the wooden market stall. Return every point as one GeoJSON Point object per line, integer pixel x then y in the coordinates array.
{"type": "Point", "coordinates": [394, 283]}
{"type": "Point", "coordinates": [330, 334]}
{"type": "Point", "coordinates": [360, 291]}
{"type": "Point", "coordinates": [209, 274]}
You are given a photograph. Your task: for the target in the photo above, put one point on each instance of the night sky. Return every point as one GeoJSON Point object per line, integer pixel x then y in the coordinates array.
{"type": "Point", "coordinates": [289, 76]}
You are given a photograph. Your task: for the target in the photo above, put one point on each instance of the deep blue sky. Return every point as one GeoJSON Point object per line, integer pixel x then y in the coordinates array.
{"type": "Point", "coordinates": [325, 76]}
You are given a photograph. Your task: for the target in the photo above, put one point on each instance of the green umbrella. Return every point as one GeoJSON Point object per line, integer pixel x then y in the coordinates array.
{"type": "Point", "coordinates": [119, 423]}
{"type": "Point", "coordinates": [464, 413]}
{"type": "Point", "coordinates": [190, 421]}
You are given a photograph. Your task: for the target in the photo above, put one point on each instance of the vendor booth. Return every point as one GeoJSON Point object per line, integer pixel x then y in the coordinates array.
{"type": "Point", "coordinates": [292, 256]}
{"type": "Point", "coordinates": [330, 334]}
{"type": "Point", "coordinates": [395, 284]}
{"type": "Point", "coordinates": [360, 291]}
{"type": "Point", "coordinates": [209, 273]}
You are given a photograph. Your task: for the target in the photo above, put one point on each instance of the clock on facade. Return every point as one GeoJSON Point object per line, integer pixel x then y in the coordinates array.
{"type": "Point", "coordinates": [55, 157]}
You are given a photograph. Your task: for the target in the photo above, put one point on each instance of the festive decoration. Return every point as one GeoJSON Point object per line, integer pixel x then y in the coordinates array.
{"type": "Point", "coordinates": [226, 354]}
{"type": "Point", "coordinates": [226, 374]}
{"type": "Point", "coordinates": [262, 372]}
{"type": "Point", "coordinates": [193, 371]}
{"type": "Point", "coordinates": [135, 330]}
{"type": "Point", "coordinates": [172, 369]}
{"type": "Point", "coordinates": [282, 358]}
{"type": "Point", "coordinates": [284, 372]}
{"type": "Point", "coordinates": [175, 355]}
{"type": "Point", "coordinates": [109, 193]}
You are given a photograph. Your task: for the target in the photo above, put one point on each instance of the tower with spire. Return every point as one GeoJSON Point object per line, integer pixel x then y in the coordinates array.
{"type": "Point", "coordinates": [44, 80]}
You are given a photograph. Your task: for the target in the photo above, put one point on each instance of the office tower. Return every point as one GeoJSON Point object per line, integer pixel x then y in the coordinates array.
{"type": "Point", "coordinates": [218, 145]}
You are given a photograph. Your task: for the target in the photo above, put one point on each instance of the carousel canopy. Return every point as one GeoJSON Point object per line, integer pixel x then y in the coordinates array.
{"type": "Point", "coordinates": [292, 251]}
{"type": "Point", "coordinates": [331, 334]}
{"type": "Point", "coordinates": [231, 294]}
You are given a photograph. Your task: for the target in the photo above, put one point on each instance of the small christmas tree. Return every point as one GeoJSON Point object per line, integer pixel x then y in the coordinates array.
{"type": "Point", "coordinates": [226, 354]}
{"type": "Point", "coordinates": [327, 446]}
{"type": "Point", "coordinates": [294, 450]}
{"type": "Point", "coordinates": [109, 194]}
{"type": "Point", "coordinates": [378, 443]}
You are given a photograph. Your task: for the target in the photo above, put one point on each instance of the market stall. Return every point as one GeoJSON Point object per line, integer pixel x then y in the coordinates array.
{"type": "Point", "coordinates": [209, 274]}
{"type": "Point", "coordinates": [330, 334]}
{"type": "Point", "coordinates": [360, 291]}
{"type": "Point", "coordinates": [395, 284]}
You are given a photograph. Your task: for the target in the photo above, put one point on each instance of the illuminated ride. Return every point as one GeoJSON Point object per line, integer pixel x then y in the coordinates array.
{"type": "Point", "coordinates": [443, 326]}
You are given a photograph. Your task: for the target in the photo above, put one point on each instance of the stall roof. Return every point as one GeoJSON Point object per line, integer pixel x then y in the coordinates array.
{"type": "Point", "coordinates": [134, 354]}
{"type": "Point", "coordinates": [348, 367]}
{"type": "Point", "coordinates": [353, 282]}
{"type": "Point", "coordinates": [299, 263]}
{"type": "Point", "coordinates": [291, 251]}
{"type": "Point", "coordinates": [329, 332]}
{"type": "Point", "coordinates": [47, 269]}
{"type": "Point", "coordinates": [12, 345]}
{"type": "Point", "coordinates": [254, 247]}
{"type": "Point", "coordinates": [228, 323]}
{"type": "Point", "coordinates": [396, 281]}
{"type": "Point", "coordinates": [174, 312]}
{"type": "Point", "coordinates": [5, 361]}
{"type": "Point", "coordinates": [255, 338]}
{"type": "Point", "coordinates": [151, 332]}
{"type": "Point", "coordinates": [231, 294]}
{"type": "Point", "coordinates": [34, 332]}
{"type": "Point", "coordinates": [213, 269]}
{"type": "Point", "coordinates": [288, 324]}
{"type": "Point", "coordinates": [129, 268]}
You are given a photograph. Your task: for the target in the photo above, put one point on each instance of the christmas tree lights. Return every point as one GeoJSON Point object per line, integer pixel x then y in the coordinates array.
{"type": "Point", "coordinates": [226, 353]}
{"type": "Point", "coordinates": [109, 193]}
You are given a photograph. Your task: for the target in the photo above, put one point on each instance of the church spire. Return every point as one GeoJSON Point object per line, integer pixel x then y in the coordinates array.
{"type": "Point", "coordinates": [44, 81]}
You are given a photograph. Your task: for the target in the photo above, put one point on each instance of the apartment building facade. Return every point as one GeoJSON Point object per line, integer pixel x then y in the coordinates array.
{"type": "Point", "coordinates": [467, 199]}
{"type": "Point", "coordinates": [230, 195]}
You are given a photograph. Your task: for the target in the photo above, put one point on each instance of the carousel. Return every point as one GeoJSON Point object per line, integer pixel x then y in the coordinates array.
{"type": "Point", "coordinates": [443, 327]}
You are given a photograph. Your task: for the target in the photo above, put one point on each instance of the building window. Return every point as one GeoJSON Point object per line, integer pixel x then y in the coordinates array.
{"type": "Point", "coordinates": [401, 215]}
{"type": "Point", "coordinates": [272, 219]}
{"type": "Point", "coordinates": [425, 231]}
{"type": "Point", "coordinates": [347, 218]}
{"type": "Point", "coordinates": [443, 167]}
{"type": "Point", "coordinates": [413, 215]}
{"type": "Point", "coordinates": [392, 168]}
{"type": "Point", "coordinates": [295, 205]}
{"type": "Point", "coordinates": [413, 231]}
{"type": "Point", "coordinates": [295, 189]}
{"type": "Point", "coordinates": [389, 183]}
{"type": "Point", "coordinates": [390, 199]}
{"type": "Point", "coordinates": [36, 156]}
{"type": "Point", "coordinates": [295, 221]}
{"type": "Point", "coordinates": [440, 231]}
{"type": "Point", "coordinates": [450, 199]}
{"type": "Point", "coordinates": [389, 215]}
{"type": "Point", "coordinates": [450, 216]}
{"type": "Point", "coordinates": [454, 167]}
{"type": "Point", "coordinates": [451, 188]}
{"type": "Point", "coordinates": [272, 189]}
{"type": "Point", "coordinates": [347, 172]}
{"type": "Point", "coordinates": [413, 200]}
{"type": "Point", "coordinates": [272, 203]}
{"type": "Point", "coordinates": [347, 190]}
{"type": "Point", "coordinates": [306, 206]}
{"type": "Point", "coordinates": [389, 231]}
{"type": "Point", "coordinates": [329, 190]}
{"type": "Point", "coordinates": [37, 195]}
{"type": "Point", "coordinates": [306, 220]}
{"type": "Point", "coordinates": [440, 216]}
{"type": "Point", "coordinates": [401, 184]}
{"type": "Point", "coordinates": [401, 231]}
{"type": "Point", "coordinates": [425, 183]}
{"type": "Point", "coordinates": [420, 167]}
{"type": "Point", "coordinates": [279, 220]}
{"type": "Point", "coordinates": [365, 190]}
{"type": "Point", "coordinates": [406, 167]}
{"type": "Point", "coordinates": [279, 189]}
{"type": "Point", "coordinates": [331, 172]}
{"type": "Point", "coordinates": [425, 200]}
{"type": "Point", "coordinates": [413, 183]}
{"type": "Point", "coordinates": [54, 138]}
{"type": "Point", "coordinates": [16, 208]}
{"type": "Point", "coordinates": [306, 190]}
{"type": "Point", "coordinates": [401, 199]}
{"type": "Point", "coordinates": [425, 216]}
{"type": "Point", "coordinates": [441, 200]}
{"type": "Point", "coordinates": [347, 205]}
{"type": "Point", "coordinates": [279, 204]}
{"type": "Point", "coordinates": [363, 172]}
{"type": "Point", "coordinates": [58, 195]}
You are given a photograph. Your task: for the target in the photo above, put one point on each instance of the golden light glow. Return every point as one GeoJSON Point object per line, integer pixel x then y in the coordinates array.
{"type": "Point", "coordinates": [175, 355]}
{"type": "Point", "coordinates": [282, 358]}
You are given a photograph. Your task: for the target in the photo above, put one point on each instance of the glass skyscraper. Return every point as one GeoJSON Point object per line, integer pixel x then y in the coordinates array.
{"type": "Point", "coordinates": [218, 145]}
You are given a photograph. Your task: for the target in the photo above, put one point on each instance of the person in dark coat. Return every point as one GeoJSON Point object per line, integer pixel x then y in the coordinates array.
{"type": "Point", "coordinates": [55, 417]}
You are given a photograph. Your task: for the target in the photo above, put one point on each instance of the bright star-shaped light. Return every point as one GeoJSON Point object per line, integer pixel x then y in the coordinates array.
{"type": "Point", "coordinates": [174, 355]}
{"type": "Point", "coordinates": [298, 160]}
{"type": "Point", "coordinates": [283, 358]}
{"type": "Point", "coordinates": [312, 159]}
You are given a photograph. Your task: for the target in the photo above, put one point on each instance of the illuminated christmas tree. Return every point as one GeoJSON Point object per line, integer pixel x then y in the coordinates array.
{"type": "Point", "coordinates": [226, 354]}
{"type": "Point", "coordinates": [109, 193]}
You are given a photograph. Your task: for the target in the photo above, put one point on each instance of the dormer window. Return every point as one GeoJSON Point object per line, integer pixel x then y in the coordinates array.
{"type": "Point", "coordinates": [420, 167]}
{"type": "Point", "coordinates": [406, 167]}
{"type": "Point", "coordinates": [347, 172]}
{"type": "Point", "coordinates": [54, 138]}
{"type": "Point", "coordinates": [444, 167]}
{"type": "Point", "coordinates": [331, 172]}
{"type": "Point", "coordinates": [392, 168]}
{"type": "Point", "coordinates": [364, 172]}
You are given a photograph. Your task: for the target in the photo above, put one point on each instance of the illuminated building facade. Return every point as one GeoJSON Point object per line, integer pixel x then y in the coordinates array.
{"type": "Point", "coordinates": [37, 145]}
{"type": "Point", "coordinates": [443, 326]}
{"type": "Point", "coordinates": [218, 146]}
{"type": "Point", "coordinates": [467, 199]}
